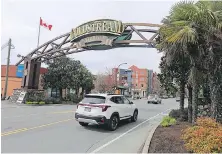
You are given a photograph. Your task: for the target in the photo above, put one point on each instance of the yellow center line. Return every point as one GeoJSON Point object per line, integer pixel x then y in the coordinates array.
{"type": "Point", "coordinates": [27, 129]}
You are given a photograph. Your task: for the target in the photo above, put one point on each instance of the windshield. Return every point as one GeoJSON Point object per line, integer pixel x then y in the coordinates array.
{"type": "Point", "coordinates": [94, 100]}
{"type": "Point", "coordinates": [151, 96]}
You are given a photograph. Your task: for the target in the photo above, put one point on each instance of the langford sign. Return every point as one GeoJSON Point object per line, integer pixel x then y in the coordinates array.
{"type": "Point", "coordinates": [96, 33]}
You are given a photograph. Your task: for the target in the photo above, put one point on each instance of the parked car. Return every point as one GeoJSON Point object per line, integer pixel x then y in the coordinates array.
{"type": "Point", "coordinates": [165, 97]}
{"type": "Point", "coordinates": [105, 109]}
{"type": "Point", "coordinates": [137, 97]}
{"type": "Point", "coordinates": [153, 98]}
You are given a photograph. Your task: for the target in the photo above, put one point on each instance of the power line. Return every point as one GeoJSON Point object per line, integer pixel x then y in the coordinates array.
{"type": "Point", "coordinates": [7, 44]}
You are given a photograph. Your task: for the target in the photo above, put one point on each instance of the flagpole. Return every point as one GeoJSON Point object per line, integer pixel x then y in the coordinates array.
{"type": "Point", "coordinates": [39, 33]}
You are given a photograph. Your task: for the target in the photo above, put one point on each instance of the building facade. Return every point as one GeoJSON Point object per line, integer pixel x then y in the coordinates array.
{"type": "Point", "coordinates": [150, 82]}
{"type": "Point", "coordinates": [139, 81]}
{"type": "Point", "coordinates": [123, 78]}
{"type": "Point", "coordinates": [15, 78]}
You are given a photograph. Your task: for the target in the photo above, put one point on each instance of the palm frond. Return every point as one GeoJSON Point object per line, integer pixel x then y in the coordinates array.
{"type": "Point", "coordinates": [184, 11]}
{"type": "Point", "coordinates": [184, 36]}
{"type": "Point", "coordinates": [180, 23]}
{"type": "Point", "coordinates": [215, 5]}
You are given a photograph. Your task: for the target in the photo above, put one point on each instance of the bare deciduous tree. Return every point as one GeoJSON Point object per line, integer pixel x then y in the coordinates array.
{"type": "Point", "coordinates": [104, 82]}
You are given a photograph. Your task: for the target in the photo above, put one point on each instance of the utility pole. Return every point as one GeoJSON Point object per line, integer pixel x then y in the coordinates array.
{"type": "Point", "coordinates": [7, 68]}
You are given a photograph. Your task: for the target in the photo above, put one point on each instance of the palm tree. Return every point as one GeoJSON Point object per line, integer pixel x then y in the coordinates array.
{"type": "Point", "coordinates": [214, 60]}
{"type": "Point", "coordinates": [188, 25]}
{"type": "Point", "coordinates": [177, 63]}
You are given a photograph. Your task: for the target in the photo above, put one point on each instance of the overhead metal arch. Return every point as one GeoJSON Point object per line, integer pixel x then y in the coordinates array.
{"type": "Point", "coordinates": [108, 34]}
{"type": "Point", "coordinates": [61, 45]}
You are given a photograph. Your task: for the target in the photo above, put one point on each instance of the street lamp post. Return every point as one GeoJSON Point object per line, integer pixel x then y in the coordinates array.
{"type": "Point", "coordinates": [118, 72]}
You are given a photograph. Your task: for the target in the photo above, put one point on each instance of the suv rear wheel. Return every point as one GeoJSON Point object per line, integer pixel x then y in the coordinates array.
{"type": "Point", "coordinates": [83, 124]}
{"type": "Point", "coordinates": [113, 122]}
{"type": "Point", "coordinates": [135, 115]}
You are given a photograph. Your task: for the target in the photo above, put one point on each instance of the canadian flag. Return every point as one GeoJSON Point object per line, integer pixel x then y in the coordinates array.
{"type": "Point", "coordinates": [49, 27]}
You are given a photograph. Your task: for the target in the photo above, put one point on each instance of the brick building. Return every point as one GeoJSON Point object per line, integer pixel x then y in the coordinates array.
{"type": "Point", "coordinates": [15, 78]}
{"type": "Point", "coordinates": [139, 81]}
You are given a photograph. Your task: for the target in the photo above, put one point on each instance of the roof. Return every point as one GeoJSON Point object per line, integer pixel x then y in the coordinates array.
{"type": "Point", "coordinates": [121, 87]}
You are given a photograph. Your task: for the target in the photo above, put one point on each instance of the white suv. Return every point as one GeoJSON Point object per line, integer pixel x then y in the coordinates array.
{"type": "Point", "coordinates": [152, 98]}
{"type": "Point", "coordinates": [105, 109]}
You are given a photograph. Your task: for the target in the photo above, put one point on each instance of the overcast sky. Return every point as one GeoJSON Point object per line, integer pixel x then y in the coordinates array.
{"type": "Point", "coordinates": [20, 21]}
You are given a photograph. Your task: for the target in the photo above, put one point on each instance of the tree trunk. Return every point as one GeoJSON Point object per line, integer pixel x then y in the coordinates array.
{"type": "Point", "coordinates": [194, 94]}
{"type": "Point", "coordinates": [82, 93]}
{"type": "Point", "coordinates": [60, 93]}
{"type": "Point", "coordinates": [182, 88]}
{"type": "Point", "coordinates": [77, 92]}
{"type": "Point", "coordinates": [189, 87]}
{"type": "Point", "coordinates": [216, 96]}
{"type": "Point", "coordinates": [182, 94]}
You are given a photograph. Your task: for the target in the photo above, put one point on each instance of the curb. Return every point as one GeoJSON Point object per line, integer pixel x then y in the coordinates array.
{"type": "Point", "coordinates": [149, 137]}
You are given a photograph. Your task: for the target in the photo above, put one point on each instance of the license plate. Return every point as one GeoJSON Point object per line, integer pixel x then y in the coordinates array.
{"type": "Point", "coordinates": [87, 109]}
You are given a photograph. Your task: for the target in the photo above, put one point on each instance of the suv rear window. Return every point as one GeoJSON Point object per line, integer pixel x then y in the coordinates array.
{"type": "Point", "coordinates": [151, 96]}
{"type": "Point", "coordinates": [93, 99]}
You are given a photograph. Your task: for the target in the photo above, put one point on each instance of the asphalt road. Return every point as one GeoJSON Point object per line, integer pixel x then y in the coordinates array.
{"type": "Point", "coordinates": [52, 129]}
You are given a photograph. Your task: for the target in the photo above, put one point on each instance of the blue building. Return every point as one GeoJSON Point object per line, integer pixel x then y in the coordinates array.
{"type": "Point", "coordinates": [150, 82]}
{"type": "Point", "coordinates": [124, 78]}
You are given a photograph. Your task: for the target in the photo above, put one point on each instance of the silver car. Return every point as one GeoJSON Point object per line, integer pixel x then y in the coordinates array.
{"type": "Point", "coordinates": [153, 98]}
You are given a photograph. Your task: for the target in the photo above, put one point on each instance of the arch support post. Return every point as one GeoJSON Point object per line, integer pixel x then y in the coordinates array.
{"type": "Point", "coordinates": [31, 74]}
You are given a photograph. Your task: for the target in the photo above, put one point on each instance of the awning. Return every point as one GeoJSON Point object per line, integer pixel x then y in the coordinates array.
{"type": "Point", "coordinates": [122, 87]}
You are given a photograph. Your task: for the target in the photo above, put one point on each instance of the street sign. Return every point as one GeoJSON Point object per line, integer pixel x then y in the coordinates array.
{"type": "Point", "coordinates": [21, 97]}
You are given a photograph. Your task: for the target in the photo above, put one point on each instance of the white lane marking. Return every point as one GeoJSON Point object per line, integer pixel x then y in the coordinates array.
{"type": "Point", "coordinates": [110, 142]}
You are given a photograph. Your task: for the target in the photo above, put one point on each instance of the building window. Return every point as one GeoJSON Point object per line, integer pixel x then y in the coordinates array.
{"type": "Point", "coordinates": [136, 85]}
{"type": "Point", "coordinates": [55, 92]}
{"type": "Point", "coordinates": [141, 85]}
{"type": "Point", "coordinates": [142, 73]}
{"type": "Point", "coordinates": [141, 79]}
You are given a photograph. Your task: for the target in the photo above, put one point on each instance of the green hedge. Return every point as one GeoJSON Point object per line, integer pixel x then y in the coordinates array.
{"type": "Point", "coordinates": [35, 103]}
{"type": "Point", "coordinates": [168, 121]}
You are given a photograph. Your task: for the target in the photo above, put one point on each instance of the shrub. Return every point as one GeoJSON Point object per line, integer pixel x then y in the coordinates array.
{"type": "Point", "coordinates": [168, 121]}
{"type": "Point", "coordinates": [56, 101]}
{"type": "Point", "coordinates": [48, 100]}
{"type": "Point", "coordinates": [28, 102]}
{"type": "Point", "coordinates": [41, 103]}
{"type": "Point", "coordinates": [204, 137]}
{"type": "Point", "coordinates": [176, 114]}
{"type": "Point", "coordinates": [30, 99]}
{"type": "Point", "coordinates": [39, 99]}
{"type": "Point", "coordinates": [35, 96]}
{"type": "Point", "coordinates": [74, 98]}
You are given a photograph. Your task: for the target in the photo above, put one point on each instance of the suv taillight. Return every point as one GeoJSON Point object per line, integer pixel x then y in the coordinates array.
{"type": "Point", "coordinates": [105, 107]}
